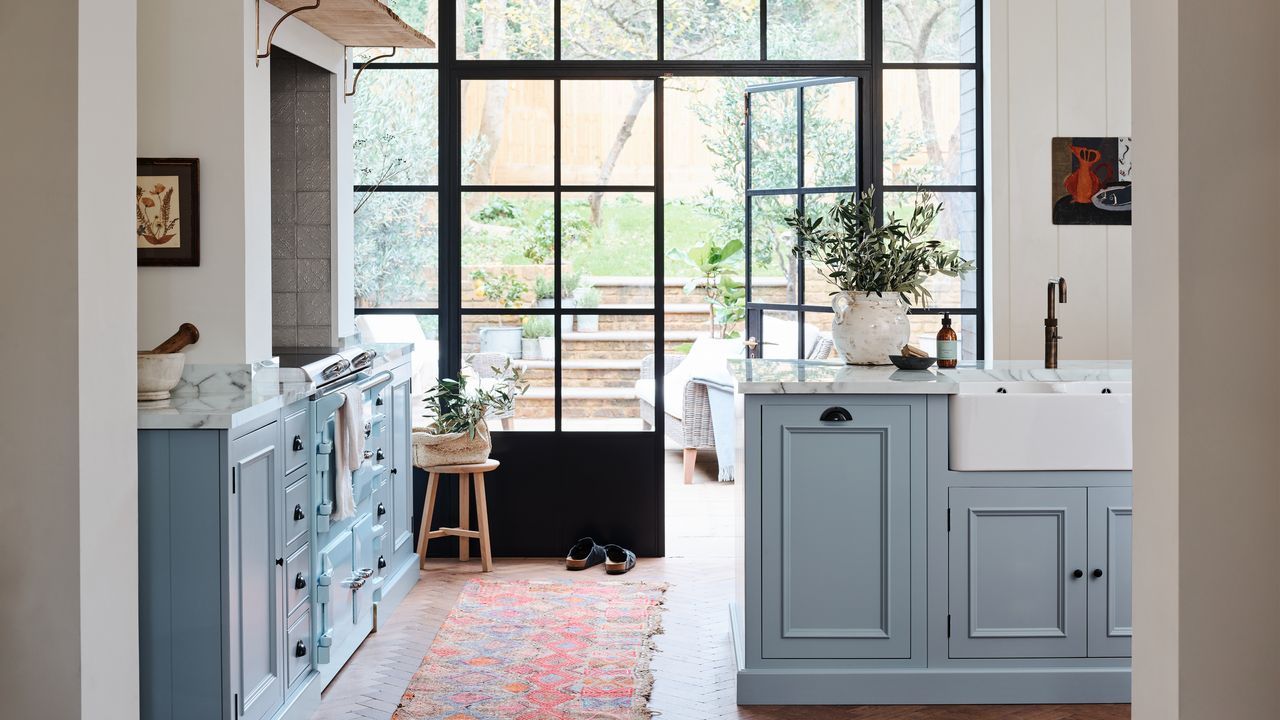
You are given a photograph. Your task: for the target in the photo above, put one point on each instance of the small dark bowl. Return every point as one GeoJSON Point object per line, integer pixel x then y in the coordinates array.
{"type": "Point", "coordinates": [912, 363]}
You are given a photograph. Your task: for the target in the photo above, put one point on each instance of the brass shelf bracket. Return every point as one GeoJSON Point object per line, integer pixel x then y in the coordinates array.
{"type": "Point", "coordinates": [356, 79]}
{"type": "Point", "coordinates": [257, 28]}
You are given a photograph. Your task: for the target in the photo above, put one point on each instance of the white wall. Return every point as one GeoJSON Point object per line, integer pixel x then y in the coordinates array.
{"type": "Point", "coordinates": [1057, 68]}
{"type": "Point", "coordinates": [1206, 413]}
{"type": "Point", "coordinates": [201, 95]}
{"type": "Point", "coordinates": [67, 297]}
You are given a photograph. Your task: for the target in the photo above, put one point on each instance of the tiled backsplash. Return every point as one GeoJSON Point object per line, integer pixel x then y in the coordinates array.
{"type": "Point", "coordinates": [301, 206]}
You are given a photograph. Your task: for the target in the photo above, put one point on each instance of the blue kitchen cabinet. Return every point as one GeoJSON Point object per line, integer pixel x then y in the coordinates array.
{"type": "Point", "coordinates": [874, 573]}
{"type": "Point", "coordinates": [256, 539]}
{"type": "Point", "coordinates": [835, 534]}
{"type": "Point", "coordinates": [224, 626]}
{"type": "Point", "coordinates": [1017, 572]}
{"type": "Point", "coordinates": [1110, 571]}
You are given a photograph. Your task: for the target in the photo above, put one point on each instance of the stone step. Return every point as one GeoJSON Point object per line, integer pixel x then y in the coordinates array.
{"type": "Point", "coordinates": [623, 344]}
{"type": "Point", "coordinates": [583, 373]}
{"type": "Point", "coordinates": [579, 403]}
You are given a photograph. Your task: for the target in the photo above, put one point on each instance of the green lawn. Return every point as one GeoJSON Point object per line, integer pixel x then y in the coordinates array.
{"type": "Point", "coordinates": [621, 245]}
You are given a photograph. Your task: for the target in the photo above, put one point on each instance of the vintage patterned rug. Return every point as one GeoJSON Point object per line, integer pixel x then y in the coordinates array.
{"type": "Point", "coordinates": [540, 651]}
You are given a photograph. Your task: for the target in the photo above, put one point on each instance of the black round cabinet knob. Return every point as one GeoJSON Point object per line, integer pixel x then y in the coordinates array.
{"type": "Point", "coordinates": [1077, 574]}
{"type": "Point", "coordinates": [1097, 572]}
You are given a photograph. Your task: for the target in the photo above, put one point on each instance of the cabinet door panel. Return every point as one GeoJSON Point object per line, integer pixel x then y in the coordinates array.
{"type": "Point", "coordinates": [1013, 556]}
{"type": "Point", "coordinates": [257, 592]}
{"type": "Point", "coordinates": [1111, 552]}
{"type": "Point", "coordinates": [836, 533]}
{"type": "Point", "coordinates": [401, 468]}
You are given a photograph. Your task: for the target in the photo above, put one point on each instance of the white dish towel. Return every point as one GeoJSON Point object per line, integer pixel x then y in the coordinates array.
{"type": "Point", "coordinates": [348, 445]}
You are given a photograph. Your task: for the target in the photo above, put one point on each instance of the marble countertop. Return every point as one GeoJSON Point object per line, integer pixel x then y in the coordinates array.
{"type": "Point", "coordinates": [225, 396]}
{"type": "Point", "coordinates": [798, 377]}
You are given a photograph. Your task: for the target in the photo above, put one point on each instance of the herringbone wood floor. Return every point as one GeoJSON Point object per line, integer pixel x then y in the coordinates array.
{"type": "Point", "coordinates": [694, 673]}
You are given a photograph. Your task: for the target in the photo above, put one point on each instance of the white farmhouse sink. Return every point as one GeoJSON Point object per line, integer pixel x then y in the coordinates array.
{"type": "Point", "coordinates": [1031, 425]}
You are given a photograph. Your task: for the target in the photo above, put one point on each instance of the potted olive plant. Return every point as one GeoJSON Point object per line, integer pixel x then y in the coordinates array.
{"type": "Point", "coordinates": [507, 291]}
{"type": "Point", "coordinates": [876, 267]}
{"type": "Point", "coordinates": [454, 431]}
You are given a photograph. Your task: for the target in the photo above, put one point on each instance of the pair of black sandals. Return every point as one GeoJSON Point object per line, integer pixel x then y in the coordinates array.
{"type": "Point", "coordinates": [586, 553]}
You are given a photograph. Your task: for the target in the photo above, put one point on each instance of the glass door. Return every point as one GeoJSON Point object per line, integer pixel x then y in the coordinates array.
{"type": "Point", "coordinates": [803, 150]}
{"type": "Point", "coordinates": [560, 270]}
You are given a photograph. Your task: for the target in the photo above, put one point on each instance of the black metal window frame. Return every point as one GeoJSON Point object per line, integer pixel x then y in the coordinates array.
{"type": "Point", "coordinates": [449, 188]}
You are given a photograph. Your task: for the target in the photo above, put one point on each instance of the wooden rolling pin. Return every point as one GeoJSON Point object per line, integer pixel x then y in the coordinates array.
{"type": "Point", "coordinates": [187, 335]}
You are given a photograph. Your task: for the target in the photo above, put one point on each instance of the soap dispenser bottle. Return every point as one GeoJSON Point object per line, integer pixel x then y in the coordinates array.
{"type": "Point", "coordinates": [948, 345]}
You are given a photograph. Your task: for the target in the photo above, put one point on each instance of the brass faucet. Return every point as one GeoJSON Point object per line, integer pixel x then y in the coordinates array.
{"type": "Point", "coordinates": [1051, 336]}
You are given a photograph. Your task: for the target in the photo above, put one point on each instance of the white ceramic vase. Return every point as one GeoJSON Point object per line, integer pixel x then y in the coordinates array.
{"type": "Point", "coordinates": [867, 329]}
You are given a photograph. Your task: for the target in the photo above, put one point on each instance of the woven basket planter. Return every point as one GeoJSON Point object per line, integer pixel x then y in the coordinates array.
{"type": "Point", "coordinates": [430, 449]}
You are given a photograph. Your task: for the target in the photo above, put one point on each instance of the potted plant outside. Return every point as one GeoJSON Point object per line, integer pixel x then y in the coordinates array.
{"type": "Point", "coordinates": [714, 265]}
{"type": "Point", "coordinates": [454, 431]}
{"type": "Point", "coordinates": [507, 291]}
{"type": "Point", "coordinates": [875, 268]}
{"type": "Point", "coordinates": [544, 292]}
{"type": "Point", "coordinates": [535, 327]}
{"type": "Point", "coordinates": [588, 299]}
{"type": "Point", "coordinates": [569, 284]}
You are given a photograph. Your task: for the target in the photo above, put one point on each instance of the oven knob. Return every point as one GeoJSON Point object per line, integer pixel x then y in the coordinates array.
{"type": "Point", "coordinates": [297, 443]}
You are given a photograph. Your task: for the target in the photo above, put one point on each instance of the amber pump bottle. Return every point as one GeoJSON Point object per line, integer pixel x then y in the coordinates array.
{"type": "Point", "coordinates": [948, 345]}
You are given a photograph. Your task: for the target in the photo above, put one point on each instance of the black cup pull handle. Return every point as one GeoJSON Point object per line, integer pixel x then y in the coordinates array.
{"type": "Point", "coordinates": [1077, 574]}
{"type": "Point", "coordinates": [836, 414]}
{"type": "Point", "coordinates": [1097, 572]}
{"type": "Point", "coordinates": [298, 514]}
{"type": "Point", "coordinates": [297, 443]}
{"type": "Point", "coordinates": [300, 650]}
{"type": "Point", "coordinates": [299, 582]}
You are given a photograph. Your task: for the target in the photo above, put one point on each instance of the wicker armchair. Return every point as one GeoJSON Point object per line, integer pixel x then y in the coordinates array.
{"type": "Point", "coordinates": [692, 429]}
{"type": "Point", "coordinates": [483, 365]}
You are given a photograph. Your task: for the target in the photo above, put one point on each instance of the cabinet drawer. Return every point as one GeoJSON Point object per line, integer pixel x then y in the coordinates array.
{"type": "Point", "coordinates": [297, 579]}
{"type": "Point", "coordinates": [299, 648]}
{"type": "Point", "coordinates": [297, 511]}
{"type": "Point", "coordinates": [296, 441]}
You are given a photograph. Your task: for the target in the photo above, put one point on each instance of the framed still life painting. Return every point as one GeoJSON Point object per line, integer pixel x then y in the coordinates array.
{"type": "Point", "coordinates": [1092, 181]}
{"type": "Point", "coordinates": [168, 212]}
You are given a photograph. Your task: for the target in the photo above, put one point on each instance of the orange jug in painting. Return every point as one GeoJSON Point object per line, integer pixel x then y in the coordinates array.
{"type": "Point", "coordinates": [1084, 183]}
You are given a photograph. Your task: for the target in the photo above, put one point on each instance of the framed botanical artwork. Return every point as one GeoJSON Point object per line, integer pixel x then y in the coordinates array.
{"type": "Point", "coordinates": [167, 205]}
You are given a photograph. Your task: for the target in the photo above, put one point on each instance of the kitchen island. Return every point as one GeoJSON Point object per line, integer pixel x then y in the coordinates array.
{"type": "Point", "coordinates": [874, 571]}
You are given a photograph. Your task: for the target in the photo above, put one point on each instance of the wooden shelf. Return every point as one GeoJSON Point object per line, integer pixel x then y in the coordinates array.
{"type": "Point", "coordinates": [358, 23]}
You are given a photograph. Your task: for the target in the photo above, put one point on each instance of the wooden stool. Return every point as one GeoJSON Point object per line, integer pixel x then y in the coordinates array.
{"type": "Point", "coordinates": [464, 533]}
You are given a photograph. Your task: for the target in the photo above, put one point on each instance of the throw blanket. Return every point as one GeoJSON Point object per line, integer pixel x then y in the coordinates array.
{"type": "Point", "coordinates": [348, 447]}
{"type": "Point", "coordinates": [708, 364]}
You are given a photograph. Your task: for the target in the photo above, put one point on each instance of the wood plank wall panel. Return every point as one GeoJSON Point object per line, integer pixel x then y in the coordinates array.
{"type": "Point", "coordinates": [1082, 110]}
{"type": "Point", "coordinates": [1057, 67]}
{"type": "Point", "coordinates": [1033, 120]}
